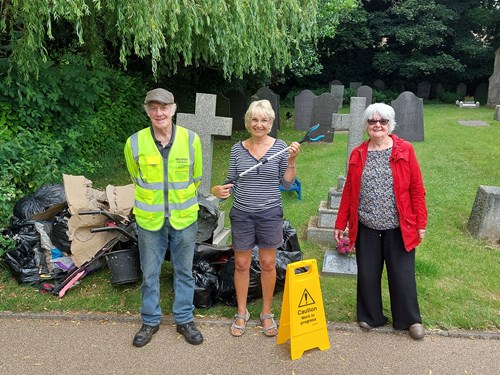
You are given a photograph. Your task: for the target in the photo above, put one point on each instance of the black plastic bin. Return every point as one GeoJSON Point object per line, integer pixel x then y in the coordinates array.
{"type": "Point", "coordinates": [124, 266]}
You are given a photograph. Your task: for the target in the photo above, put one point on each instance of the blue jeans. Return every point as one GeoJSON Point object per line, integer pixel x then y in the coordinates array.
{"type": "Point", "coordinates": [152, 250]}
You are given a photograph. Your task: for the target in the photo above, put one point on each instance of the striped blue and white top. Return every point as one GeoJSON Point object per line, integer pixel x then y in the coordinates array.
{"type": "Point", "coordinates": [259, 189]}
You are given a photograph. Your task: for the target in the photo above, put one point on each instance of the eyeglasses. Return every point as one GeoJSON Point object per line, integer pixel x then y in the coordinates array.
{"type": "Point", "coordinates": [382, 122]}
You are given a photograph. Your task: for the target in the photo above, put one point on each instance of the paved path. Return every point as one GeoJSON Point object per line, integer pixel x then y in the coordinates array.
{"type": "Point", "coordinates": [101, 344]}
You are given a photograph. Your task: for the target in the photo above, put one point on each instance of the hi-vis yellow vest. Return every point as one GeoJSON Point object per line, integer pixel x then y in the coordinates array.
{"type": "Point", "coordinates": [184, 170]}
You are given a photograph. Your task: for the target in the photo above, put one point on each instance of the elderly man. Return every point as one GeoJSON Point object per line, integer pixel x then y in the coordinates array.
{"type": "Point", "coordinates": [165, 163]}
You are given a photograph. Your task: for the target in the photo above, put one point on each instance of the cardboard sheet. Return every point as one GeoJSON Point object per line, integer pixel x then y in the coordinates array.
{"type": "Point", "coordinates": [82, 196]}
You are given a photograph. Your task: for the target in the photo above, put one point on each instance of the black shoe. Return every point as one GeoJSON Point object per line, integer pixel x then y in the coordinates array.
{"type": "Point", "coordinates": [365, 325]}
{"type": "Point", "coordinates": [144, 335]}
{"type": "Point", "coordinates": [190, 333]}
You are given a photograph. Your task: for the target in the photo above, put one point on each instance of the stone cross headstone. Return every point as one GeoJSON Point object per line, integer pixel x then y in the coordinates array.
{"type": "Point", "coordinates": [424, 89]}
{"type": "Point", "coordinates": [303, 110]}
{"type": "Point", "coordinates": [238, 104]}
{"type": "Point", "coordinates": [494, 86]}
{"type": "Point", "coordinates": [338, 93]}
{"type": "Point", "coordinates": [484, 220]}
{"type": "Point", "coordinates": [274, 99]}
{"type": "Point", "coordinates": [462, 90]}
{"type": "Point", "coordinates": [409, 111]}
{"type": "Point", "coordinates": [353, 123]}
{"type": "Point", "coordinates": [355, 85]}
{"type": "Point", "coordinates": [207, 125]}
{"type": "Point", "coordinates": [366, 92]}
{"type": "Point", "coordinates": [323, 108]}
{"type": "Point", "coordinates": [481, 94]}
{"type": "Point", "coordinates": [496, 116]}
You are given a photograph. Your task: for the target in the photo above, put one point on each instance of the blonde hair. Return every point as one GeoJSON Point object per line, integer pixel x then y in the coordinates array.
{"type": "Point", "coordinates": [259, 107]}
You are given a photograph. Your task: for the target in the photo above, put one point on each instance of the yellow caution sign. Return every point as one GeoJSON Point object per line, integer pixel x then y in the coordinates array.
{"type": "Point", "coordinates": [302, 317]}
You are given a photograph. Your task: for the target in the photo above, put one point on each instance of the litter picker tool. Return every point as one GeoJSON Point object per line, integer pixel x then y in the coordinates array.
{"type": "Point", "coordinates": [307, 137]}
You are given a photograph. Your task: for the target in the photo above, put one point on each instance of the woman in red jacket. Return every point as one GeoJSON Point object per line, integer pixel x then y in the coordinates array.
{"type": "Point", "coordinates": [383, 206]}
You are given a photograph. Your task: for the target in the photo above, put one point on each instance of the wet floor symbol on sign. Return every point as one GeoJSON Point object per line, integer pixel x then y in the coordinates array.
{"type": "Point", "coordinates": [306, 299]}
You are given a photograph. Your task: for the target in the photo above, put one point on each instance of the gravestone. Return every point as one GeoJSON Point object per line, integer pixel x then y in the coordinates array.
{"type": "Point", "coordinates": [338, 93]}
{"type": "Point", "coordinates": [462, 90]}
{"type": "Point", "coordinates": [481, 94]}
{"type": "Point", "coordinates": [303, 110]}
{"type": "Point", "coordinates": [323, 108]}
{"type": "Point", "coordinates": [355, 85]}
{"type": "Point", "coordinates": [222, 109]}
{"type": "Point", "coordinates": [353, 123]}
{"type": "Point", "coordinates": [424, 89]}
{"type": "Point", "coordinates": [238, 104]}
{"type": "Point", "coordinates": [207, 125]}
{"type": "Point", "coordinates": [274, 99]}
{"type": "Point", "coordinates": [339, 264]}
{"type": "Point", "coordinates": [365, 92]}
{"type": "Point", "coordinates": [379, 84]}
{"type": "Point", "coordinates": [484, 220]}
{"type": "Point", "coordinates": [494, 86]}
{"type": "Point", "coordinates": [336, 82]}
{"type": "Point", "coordinates": [496, 116]}
{"type": "Point", "coordinates": [439, 90]}
{"type": "Point", "coordinates": [409, 111]}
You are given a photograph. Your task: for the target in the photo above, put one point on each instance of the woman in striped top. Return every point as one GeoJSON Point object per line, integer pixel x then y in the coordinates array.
{"type": "Point", "coordinates": [257, 213]}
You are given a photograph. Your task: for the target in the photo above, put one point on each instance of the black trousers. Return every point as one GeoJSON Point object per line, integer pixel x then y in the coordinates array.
{"type": "Point", "coordinates": [373, 249]}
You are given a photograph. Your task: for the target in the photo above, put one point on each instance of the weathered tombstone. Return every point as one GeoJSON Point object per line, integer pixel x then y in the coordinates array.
{"type": "Point", "coordinates": [238, 104]}
{"type": "Point", "coordinates": [336, 82]}
{"type": "Point", "coordinates": [339, 264]}
{"type": "Point", "coordinates": [484, 220]}
{"type": "Point", "coordinates": [497, 113]}
{"type": "Point", "coordinates": [274, 99]}
{"type": "Point", "coordinates": [462, 90]}
{"type": "Point", "coordinates": [338, 93]}
{"type": "Point", "coordinates": [439, 90]}
{"type": "Point", "coordinates": [365, 92]}
{"type": "Point", "coordinates": [303, 110]}
{"type": "Point", "coordinates": [355, 85]}
{"type": "Point", "coordinates": [481, 94]}
{"type": "Point", "coordinates": [206, 124]}
{"type": "Point", "coordinates": [222, 109]}
{"type": "Point", "coordinates": [379, 84]}
{"type": "Point", "coordinates": [409, 116]}
{"type": "Point", "coordinates": [353, 123]}
{"type": "Point", "coordinates": [494, 86]}
{"type": "Point", "coordinates": [323, 108]}
{"type": "Point", "coordinates": [423, 89]}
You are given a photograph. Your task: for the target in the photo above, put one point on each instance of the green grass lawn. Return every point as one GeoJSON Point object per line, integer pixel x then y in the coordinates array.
{"type": "Point", "coordinates": [457, 275]}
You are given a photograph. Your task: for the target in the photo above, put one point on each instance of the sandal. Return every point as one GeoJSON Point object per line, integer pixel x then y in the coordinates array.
{"type": "Point", "coordinates": [237, 330]}
{"type": "Point", "coordinates": [272, 330]}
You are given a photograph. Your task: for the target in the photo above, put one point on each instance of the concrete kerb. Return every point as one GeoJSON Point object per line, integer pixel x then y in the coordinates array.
{"type": "Point", "coordinates": [167, 320]}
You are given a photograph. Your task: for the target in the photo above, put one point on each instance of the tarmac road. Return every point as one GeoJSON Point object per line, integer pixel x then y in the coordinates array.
{"type": "Point", "coordinates": [102, 344]}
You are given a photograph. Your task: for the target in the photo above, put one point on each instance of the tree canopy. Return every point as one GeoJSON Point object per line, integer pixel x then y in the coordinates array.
{"type": "Point", "coordinates": [237, 36]}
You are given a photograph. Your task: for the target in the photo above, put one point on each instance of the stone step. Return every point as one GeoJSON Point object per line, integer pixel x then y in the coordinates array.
{"type": "Point", "coordinates": [334, 196]}
{"type": "Point", "coordinates": [326, 216]}
{"type": "Point", "coordinates": [323, 236]}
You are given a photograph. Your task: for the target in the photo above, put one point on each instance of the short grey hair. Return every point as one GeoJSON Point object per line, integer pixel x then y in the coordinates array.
{"type": "Point", "coordinates": [385, 111]}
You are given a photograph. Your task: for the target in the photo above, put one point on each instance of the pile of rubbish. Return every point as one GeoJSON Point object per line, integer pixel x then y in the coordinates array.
{"type": "Point", "coordinates": [64, 232]}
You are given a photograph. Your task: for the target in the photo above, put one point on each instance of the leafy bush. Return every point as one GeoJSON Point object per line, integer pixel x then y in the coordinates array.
{"type": "Point", "coordinates": [449, 97]}
{"type": "Point", "coordinates": [61, 123]}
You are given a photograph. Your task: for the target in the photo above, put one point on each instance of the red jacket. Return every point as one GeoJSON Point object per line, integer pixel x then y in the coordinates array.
{"type": "Point", "coordinates": [408, 189]}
